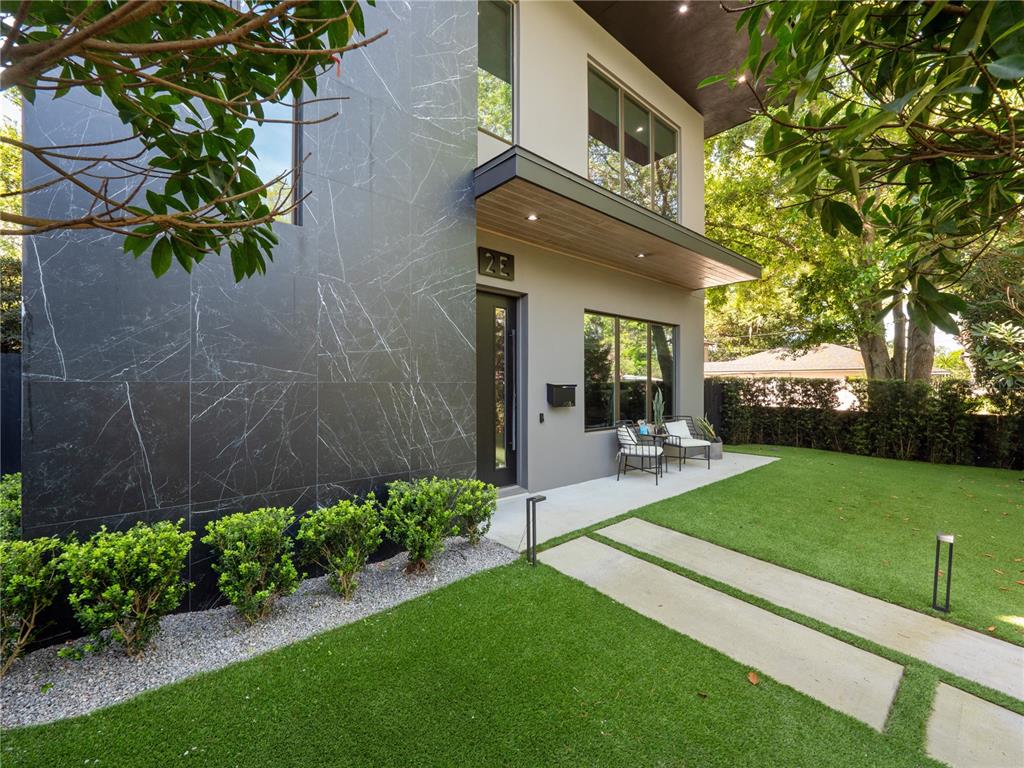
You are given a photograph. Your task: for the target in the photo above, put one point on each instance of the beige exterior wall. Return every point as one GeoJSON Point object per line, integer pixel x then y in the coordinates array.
{"type": "Point", "coordinates": [556, 41]}
{"type": "Point", "coordinates": [556, 289]}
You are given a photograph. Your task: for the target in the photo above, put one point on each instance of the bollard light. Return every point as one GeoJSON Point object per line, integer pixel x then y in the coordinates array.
{"type": "Point", "coordinates": [940, 539]}
{"type": "Point", "coordinates": [531, 528]}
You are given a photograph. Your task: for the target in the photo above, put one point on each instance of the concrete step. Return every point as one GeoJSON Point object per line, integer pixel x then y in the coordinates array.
{"type": "Point", "coordinates": [985, 660]}
{"type": "Point", "coordinates": [967, 732]}
{"type": "Point", "coordinates": [841, 676]}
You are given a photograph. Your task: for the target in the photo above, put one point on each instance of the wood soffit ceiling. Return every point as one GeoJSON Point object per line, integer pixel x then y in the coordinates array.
{"type": "Point", "coordinates": [585, 222]}
{"type": "Point", "coordinates": [683, 49]}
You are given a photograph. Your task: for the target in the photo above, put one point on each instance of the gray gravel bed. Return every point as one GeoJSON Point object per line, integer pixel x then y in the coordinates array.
{"type": "Point", "coordinates": [43, 687]}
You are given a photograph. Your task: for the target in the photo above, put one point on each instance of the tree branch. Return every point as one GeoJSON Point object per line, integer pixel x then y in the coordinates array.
{"type": "Point", "coordinates": [23, 71]}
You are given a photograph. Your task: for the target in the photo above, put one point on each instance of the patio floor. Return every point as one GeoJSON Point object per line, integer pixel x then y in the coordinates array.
{"type": "Point", "coordinates": [571, 507]}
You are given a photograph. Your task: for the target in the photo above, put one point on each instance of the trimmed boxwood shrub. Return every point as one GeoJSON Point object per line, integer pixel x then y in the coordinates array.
{"type": "Point", "coordinates": [10, 506]}
{"type": "Point", "coordinates": [340, 538]}
{"type": "Point", "coordinates": [30, 576]}
{"type": "Point", "coordinates": [475, 502]}
{"type": "Point", "coordinates": [125, 581]}
{"type": "Point", "coordinates": [254, 558]}
{"type": "Point", "coordinates": [420, 515]}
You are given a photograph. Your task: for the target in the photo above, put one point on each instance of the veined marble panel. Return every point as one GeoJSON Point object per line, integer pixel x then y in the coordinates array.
{"type": "Point", "coordinates": [349, 364]}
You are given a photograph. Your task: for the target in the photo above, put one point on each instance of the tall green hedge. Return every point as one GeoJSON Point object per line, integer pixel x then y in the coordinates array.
{"type": "Point", "coordinates": [893, 419]}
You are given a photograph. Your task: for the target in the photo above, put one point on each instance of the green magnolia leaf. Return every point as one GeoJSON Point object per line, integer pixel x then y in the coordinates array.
{"type": "Point", "coordinates": [1007, 68]}
{"type": "Point", "coordinates": [156, 201]}
{"type": "Point", "coordinates": [162, 255]}
{"type": "Point", "coordinates": [847, 216]}
{"type": "Point", "coordinates": [137, 244]}
{"type": "Point", "coordinates": [897, 105]}
{"type": "Point", "coordinates": [828, 220]}
{"type": "Point", "coordinates": [715, 79]}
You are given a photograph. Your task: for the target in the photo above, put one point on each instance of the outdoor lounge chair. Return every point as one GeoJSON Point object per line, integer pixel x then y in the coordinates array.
{"type": "Point", "coordinates": [631, 448]}
{"type": "Point", "coordinates": [683, 435]}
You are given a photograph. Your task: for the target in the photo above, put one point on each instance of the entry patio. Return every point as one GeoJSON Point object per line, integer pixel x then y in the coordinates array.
{"type": "Point", "coordinates": [571, 507]}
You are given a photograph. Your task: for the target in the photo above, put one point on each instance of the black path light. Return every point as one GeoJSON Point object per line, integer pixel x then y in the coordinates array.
{"type": "Point", "coordinates": [940, 539]}
{"type": "Point", "coordinates": [531, 528]}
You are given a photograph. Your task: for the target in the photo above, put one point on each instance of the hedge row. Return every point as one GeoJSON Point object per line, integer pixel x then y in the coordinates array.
{"type": "Point", "coordinates": [119, 583]}
{"type": "Point", "coordinates": [915, 421]}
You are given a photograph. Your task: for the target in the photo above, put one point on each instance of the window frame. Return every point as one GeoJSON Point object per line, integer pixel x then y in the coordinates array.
{"type": "Point", "coordinates": [616, 397]}
{"type": "Point", "coordinates": [653, 114]}
{"type": "Point", "coordinates": [513, 49]}
{"type": "Point", "coordinates": [297, 133]}
{"type": "Point", "coordinates": [296, 130]}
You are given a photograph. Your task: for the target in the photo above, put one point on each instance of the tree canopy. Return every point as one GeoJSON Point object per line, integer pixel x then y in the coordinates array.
{"type": "Point", "coordinates": [815, 288]}
{"type": "Point", "coordinates": [992, 325]}
{"type": "Point", "coordinates": [905, 120]}
{"type": "Point", "coordinates": [189, 81]}
{"type": "Point", "coordinates": [10, 247]}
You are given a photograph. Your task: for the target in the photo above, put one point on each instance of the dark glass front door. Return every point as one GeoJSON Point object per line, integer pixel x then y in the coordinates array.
{"type": "Point", "coordinates": [496, 388]}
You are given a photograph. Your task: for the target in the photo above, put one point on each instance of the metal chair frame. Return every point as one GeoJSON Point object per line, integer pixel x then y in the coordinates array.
{"type": "Point", "coordinates": [622, 465]}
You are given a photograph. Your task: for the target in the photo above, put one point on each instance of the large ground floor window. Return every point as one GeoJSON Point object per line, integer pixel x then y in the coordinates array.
{"type": "Point", "coordinates": [625, 363]}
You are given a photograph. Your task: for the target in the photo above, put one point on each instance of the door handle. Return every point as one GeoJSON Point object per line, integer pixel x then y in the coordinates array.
{"type": "Point", "coordinates": [510, 380]}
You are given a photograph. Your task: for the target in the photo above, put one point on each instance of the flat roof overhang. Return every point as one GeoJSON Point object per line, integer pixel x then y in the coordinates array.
{"type": "Point", "coordinates": [582, 220]}
{"type": "Point", "coordinates": [685, 48]}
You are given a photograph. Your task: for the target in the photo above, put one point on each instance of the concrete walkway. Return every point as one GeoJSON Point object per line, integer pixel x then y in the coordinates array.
{"type": "Point", "coordinates": [967, 732]}
{"type": "Point", "coordinates": [572, 507]}
{"type": "Point", "coordinates": [855, 682]}
{"type": "Point", "coordinates": [985, 660]}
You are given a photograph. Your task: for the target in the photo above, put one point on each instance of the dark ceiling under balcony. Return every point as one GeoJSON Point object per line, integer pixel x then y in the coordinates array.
{"type": "Point", "coordinates": [683, 49]}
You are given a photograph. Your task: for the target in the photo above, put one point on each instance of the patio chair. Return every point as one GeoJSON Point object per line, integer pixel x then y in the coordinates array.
{"type": "Point", "coordinates": [683, 435]}
{"type": "Point", "coordinates": [631, 447]}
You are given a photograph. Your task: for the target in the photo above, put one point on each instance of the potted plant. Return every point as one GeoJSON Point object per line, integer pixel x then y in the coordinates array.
{"type": "Point", "coordinates": [709, 433]}
{"type": "Point", "coordinates": [658, 412]}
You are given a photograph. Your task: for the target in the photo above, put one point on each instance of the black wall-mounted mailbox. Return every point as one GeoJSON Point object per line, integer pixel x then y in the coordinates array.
{"type": "Point", "coordinates": [562, 395]}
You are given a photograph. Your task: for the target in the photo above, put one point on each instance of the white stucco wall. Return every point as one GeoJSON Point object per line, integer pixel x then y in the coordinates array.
{"type": "Point", "coordinates": [557, 289]}
{"type": "Point", "coordinates": [556, 43]}
{"type": "Point", "coordinates": [556, 40]}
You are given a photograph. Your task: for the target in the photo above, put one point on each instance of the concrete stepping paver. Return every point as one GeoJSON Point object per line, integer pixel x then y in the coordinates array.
{"type": "Point", "coordinates": [852, 681]}
{"type": "Point", "coordinates": [967, 732]}
{"type": "Point", "coordinates": [985, 660]}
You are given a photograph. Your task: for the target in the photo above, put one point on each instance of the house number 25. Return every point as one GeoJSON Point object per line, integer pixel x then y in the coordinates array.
{"type": "Point", "coordinates": [496, 264]}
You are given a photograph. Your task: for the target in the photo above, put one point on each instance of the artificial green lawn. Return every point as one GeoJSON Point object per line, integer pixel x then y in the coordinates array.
{"type": "Point", "coordinates": [516, 666]}
{"type": "Point", "coordinates": [870, 524]}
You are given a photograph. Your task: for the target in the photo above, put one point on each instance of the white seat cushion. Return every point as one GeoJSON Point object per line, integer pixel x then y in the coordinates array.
{"type": "Point", "coordinates": [625, 435]}
{"type": "Point", "coordinates": [683, 442]}
{"type": "Point", "coordinates": [641, 450]}
{"type": "Point", "coordinates": [678, 429]}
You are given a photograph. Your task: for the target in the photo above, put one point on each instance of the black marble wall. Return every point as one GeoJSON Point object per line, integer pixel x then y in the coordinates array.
{"type": "Point", "coordinates": [349, 364]}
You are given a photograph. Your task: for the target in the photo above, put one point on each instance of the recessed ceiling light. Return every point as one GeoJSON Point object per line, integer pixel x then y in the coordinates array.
{"type": "Point", "coordinates": [639, 129]}
{"type": "Point", "coordinates": [741, 79]}
{"type": "Point", "coordinates": [684, 8]}
{"type": "Point", "coordinates": [641, 255]}
{"type": "Point", "coordinates": [532, 217]}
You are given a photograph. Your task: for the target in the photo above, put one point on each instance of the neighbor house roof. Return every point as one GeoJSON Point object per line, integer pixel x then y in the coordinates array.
{"type": "Point", "coordinates": [821, 360]}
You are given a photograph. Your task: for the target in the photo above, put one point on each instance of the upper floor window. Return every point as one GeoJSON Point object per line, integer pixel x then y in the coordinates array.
{"type": "Point", "coordinates": [494, 69]}
{"type": "Point", "coordinates": [630, 150]}
{"type": "Point", "coordinates": [275, 147]}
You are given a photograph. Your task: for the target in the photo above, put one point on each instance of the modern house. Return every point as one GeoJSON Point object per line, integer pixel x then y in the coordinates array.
{"type": "Point", "coordinates": [500, 256]}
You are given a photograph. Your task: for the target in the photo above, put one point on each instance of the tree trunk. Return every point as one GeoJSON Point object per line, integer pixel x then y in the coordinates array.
{"type": "Point", "coordinates": [873, 349]}
{"type": "Point", "coordinates": [921, 353]}
{"type": "Point", "coordinates": [875, 355]}
{"type": "Point", "coordinates": [899, 340]}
